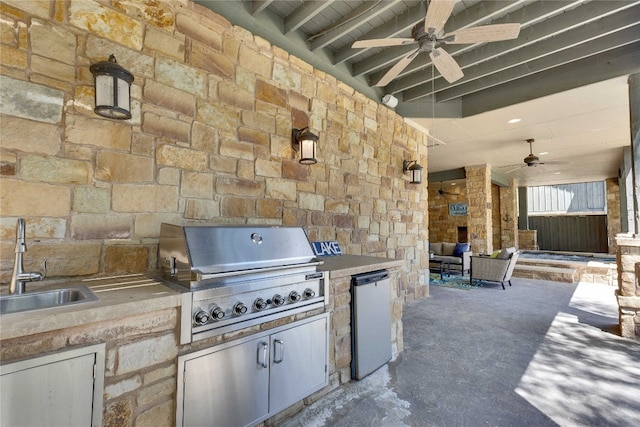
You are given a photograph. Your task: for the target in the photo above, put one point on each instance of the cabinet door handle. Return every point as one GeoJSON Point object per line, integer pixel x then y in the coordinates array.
{"type": "Point", "coordinates": [263, 349]}
{"type": "Point", "coordinates": [276, 344]}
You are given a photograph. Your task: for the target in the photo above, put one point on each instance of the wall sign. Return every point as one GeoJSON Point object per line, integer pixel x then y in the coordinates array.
{"type": "Point", "coordinates": [329, 248]}
{"type": "Point", "coordinates": [457, 208]}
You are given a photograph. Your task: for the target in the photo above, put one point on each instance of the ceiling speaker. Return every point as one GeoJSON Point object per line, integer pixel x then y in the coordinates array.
{"type": "Point", "coordinates": [390, 101]}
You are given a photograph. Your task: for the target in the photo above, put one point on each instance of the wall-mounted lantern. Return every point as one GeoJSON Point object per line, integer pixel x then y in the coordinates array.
{"type": "Point", "coordinates": [412, 167]}
{"type": "Point", "coordinates": [113, 86]}
{"type": "Point", "coordinates": [305, 142]}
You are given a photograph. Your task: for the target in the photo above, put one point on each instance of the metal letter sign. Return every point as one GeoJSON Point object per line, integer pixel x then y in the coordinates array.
{"type": "Point", "coordinates": [457, 209]}
{"type": "Point", "coordinates": [330, 248]}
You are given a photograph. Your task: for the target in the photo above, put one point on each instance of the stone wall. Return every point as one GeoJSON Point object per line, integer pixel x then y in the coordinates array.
{"type": "Point", "coordinates": [209, 141]}
{"type": "Point", "coordinates": [628, 259]}
{"type": "Point", "coordinates": [480, 208]}
{"type": "Point", "coordinates": [140, 366]}
{"type": "Point", "coordinates": [509, 216]}
{"type": "Point", "coordinates": [442, 226]}
{"type": "Point", "coordinates": [528, 240]}
{"type": "Point", "coordinates": [614, 221]}
{"type": "Point", "coordinates": [496, 216]}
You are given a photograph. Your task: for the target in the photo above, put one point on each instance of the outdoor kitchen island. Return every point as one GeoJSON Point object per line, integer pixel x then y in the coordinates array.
{"type": "Point", "coordinates": [137, 319]}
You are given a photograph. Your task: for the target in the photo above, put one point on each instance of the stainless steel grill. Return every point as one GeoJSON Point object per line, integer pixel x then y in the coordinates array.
{"type": "Point", "coordinates": [234, 277]}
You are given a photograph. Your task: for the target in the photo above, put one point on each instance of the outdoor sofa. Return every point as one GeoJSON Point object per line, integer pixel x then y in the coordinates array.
{"type": "Point", "coordinates": [456, 255]}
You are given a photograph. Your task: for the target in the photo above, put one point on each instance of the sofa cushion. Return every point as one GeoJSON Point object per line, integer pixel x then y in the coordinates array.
{"type": "Point", "coordinates": [448, 248]}
{"type": "Point", "coordinates": [460, 248]}
{"type": "Point", "coordinates": [436, 248]}
{"type": "Point", "coordinates": [450, 259]}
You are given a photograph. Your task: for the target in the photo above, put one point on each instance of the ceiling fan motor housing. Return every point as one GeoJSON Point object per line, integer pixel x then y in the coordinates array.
{"type": "Point", "coordinates": [532, 160]}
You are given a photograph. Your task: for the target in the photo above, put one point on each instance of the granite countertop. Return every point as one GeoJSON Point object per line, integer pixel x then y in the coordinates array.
{"type": "Point", "coordinates": [119, 297]}
{"type": "Point", "coordinates": [348, 265]}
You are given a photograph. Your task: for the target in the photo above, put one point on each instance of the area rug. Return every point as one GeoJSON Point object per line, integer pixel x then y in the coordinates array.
{"type": "Point", "coordinates": [456, 282]}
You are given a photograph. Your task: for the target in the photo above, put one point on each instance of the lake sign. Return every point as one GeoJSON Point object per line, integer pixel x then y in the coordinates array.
{"type": "Point", "coordinates": [328, 248]}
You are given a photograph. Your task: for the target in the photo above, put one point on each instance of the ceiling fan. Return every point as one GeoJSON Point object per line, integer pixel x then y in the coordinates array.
{"type": "Point", "coordinates": [532, 160]}
{"type": "Point", "coordinates": [427, 34]}
{"type": "Point", "coordinates": [444, 192]}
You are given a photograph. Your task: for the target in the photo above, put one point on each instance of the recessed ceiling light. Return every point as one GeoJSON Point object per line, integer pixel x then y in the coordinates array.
{"type": "Point", "coordinates": [557, 173]}
{"type": "Point", "coordinates": [543, 153]}
{"type": "Point", "coordinates": [512, 121]}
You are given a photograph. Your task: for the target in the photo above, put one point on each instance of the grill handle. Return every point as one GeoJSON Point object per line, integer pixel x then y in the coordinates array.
{"type": "Point", "coordinates": [276, 344]}
{"type": "Point", "coordinates": [263, 349]}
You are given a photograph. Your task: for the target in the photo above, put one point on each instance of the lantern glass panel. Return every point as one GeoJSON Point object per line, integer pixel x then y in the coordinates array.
{"type": "Point", "coordinates": [123, 94]}
{"type": "Point", "coordinates": [307, 149]}
{"type": "Point", "coordinates": [104, 90]}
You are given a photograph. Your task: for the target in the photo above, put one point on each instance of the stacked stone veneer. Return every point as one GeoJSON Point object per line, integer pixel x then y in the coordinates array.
{"type": "Point", "coordinates": [209, 141]}
{"type": "Point", "coordinates": [509, 215]}
{"type": "Point", "coordinates": [628, 258]}
{"type": "Point", "coordinates": [479, 208]}
{"type": "Point", "coordinates": [442, 226]}
{"type": "Point", "coordinates": [528, 239]}
{"type": "Point", "coordinates": [614, 221]}
{"type": "Point", "coordinates": [140, 366]}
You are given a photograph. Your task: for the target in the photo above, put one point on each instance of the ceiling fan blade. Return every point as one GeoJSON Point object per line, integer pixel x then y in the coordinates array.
{"type": "Point", "coordinates": [382, 42]}
{"type": "Point", "coordinates": [447, 66]}
{"type": "Point", "coordinates": [485, 33]}
{"type": "Point", "coordinates": [397, 69]}
{"type": "Point", "coordinates": [515, 169]}
{"type": "Point", "coordinates": [437, 15]}
{"type": "Point", "coordinates": [555, 162]}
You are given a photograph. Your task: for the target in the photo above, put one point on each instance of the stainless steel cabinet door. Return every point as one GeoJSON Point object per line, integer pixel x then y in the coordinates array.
{"type": "Point", "coordinates": [298, 363]}
{"type": "Point", "coordinates": [41, 393]}
{"type": "Point", "coordinates": [228, 387]}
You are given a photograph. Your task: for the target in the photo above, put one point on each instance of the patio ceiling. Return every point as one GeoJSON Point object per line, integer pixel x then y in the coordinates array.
{"type": "Point", "coordinates": [564, 75]}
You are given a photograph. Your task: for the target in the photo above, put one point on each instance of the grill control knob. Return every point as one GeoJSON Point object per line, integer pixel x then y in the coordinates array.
{"type": "Point", "coordinates": [259, 304]}
{"type": "Point", "coordinates": [217, 313]}
{"type": "Point", "coordinates": [294, 296]}
{"type": "Point", "coordinates": [309, 293]}
{"type": "Point", "coordinates": [277, 300]}
{"type": "Point", "coordinates": [200, 317]}
{"type": "Point", "coordinates": [239, 309]}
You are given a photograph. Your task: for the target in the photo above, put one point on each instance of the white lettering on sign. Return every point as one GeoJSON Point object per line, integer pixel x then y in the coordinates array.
{"type": "Point", "coordinates": [329, 248]}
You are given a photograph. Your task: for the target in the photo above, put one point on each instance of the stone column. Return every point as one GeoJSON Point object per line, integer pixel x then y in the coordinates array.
{"type": "Point", "coordinates": [480, 227]}
{"type": "Point", "coordinates": [614, 224]}
{"type": "Point", "coordinates": [509, 215]}
{"type": "Point", "coordinates": [628, 255]}
{"type": "Point", "coordinates": [634, 107]}
{"type": "Point", "coordinates": [628, 292]}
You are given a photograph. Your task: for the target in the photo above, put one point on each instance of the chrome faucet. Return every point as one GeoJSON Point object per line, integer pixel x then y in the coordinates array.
{"type": "Point", "coordinates": [19, 277]}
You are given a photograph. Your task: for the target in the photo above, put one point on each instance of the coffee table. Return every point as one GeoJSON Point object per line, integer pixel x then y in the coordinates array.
{"type": "Point", "coordinates": [441, 265]}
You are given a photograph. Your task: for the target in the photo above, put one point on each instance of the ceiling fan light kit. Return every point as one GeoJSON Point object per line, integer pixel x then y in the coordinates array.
{"type": "Point", "coordinates": [427, 35]}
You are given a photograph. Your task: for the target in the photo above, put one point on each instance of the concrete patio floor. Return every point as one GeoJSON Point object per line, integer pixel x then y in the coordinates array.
{"type": "Point", "coordinates": [536, 354]}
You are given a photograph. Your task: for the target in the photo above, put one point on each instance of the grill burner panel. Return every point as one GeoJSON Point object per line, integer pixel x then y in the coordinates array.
{"type": "Point", "coordinates": [234, 277]}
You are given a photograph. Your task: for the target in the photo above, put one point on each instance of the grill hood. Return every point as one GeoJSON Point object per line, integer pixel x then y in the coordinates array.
{"type": "Point", "coordinates": [191, 252]}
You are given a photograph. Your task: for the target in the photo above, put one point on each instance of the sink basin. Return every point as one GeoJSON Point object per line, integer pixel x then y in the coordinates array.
{"type": "Point", "coordinates": [46, 299]}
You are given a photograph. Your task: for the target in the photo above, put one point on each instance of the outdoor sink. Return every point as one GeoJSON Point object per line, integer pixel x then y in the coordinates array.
{"type": "Point", "coordinates": [30, 301]}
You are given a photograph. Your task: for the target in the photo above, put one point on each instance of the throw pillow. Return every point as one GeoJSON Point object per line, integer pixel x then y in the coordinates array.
{"type": "Point", "coordinates": [436, 248]}
{"type": "Point", "coordinates": [448, 248]}
{"type": "Point", "coordinates": [494, 254]}
{"type": "Point", "coordinates": [504, 254]}
{"type": "Point", "coordinates": [460, 248]}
